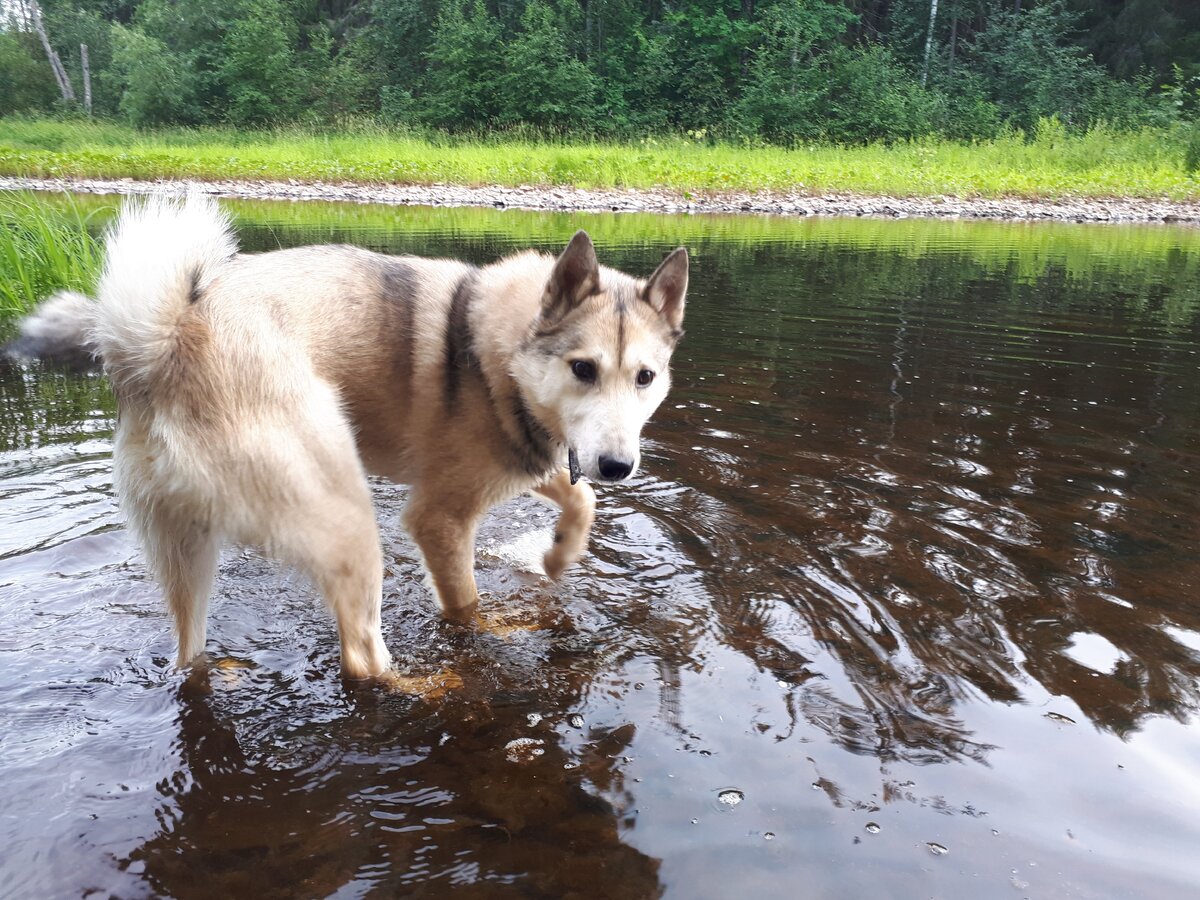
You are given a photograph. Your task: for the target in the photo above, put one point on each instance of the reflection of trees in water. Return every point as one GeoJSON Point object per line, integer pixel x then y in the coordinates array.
{"type": "Point", "coordinates": [949, 530]}
{"type": "Point", "coordinates": [408, 797]}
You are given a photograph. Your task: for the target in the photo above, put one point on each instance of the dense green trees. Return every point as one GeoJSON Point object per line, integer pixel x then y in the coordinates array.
{"type": "Point", "coordinates": [784, 70]}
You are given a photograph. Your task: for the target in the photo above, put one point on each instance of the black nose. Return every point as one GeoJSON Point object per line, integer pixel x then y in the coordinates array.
{"type": "Point", "coordinates": [613, 469]}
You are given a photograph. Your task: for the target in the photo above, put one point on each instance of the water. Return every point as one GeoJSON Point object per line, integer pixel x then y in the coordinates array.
{"type": "Point", "coordinates": [911, 563]}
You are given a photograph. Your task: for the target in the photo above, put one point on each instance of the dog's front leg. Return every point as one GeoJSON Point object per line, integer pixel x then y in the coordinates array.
{"type": "Point", "coordinates": [578, 504]}
{"type": "Point", "coordinates": [446, 535]}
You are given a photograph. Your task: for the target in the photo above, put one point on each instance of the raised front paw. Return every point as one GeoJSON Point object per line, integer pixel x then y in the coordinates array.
{"type": "Point", "coordinates": [573, 529]}
{"type": "Point", "coordinates": [556, 560]}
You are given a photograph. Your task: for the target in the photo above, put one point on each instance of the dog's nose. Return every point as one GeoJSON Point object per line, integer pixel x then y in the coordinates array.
{"type": "Point", "coordinates": [614, 469]}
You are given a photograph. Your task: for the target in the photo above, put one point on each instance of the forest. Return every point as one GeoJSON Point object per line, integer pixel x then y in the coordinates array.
{"type": "Point", "coordinates": [773, 71]}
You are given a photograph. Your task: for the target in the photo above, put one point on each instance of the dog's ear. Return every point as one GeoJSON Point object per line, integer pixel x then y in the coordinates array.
{"type": "Point", "coordinates": [576, 277]}
{"type": "Point", "coordinates": [667, 288]}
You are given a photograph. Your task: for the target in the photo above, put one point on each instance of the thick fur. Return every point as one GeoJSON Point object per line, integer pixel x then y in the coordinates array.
{"type": "Point", "coordinates": [256, 392]}
{"type": "Point", "coordinates": [59, 331]}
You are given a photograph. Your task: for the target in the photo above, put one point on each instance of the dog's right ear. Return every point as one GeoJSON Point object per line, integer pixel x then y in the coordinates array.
{"type": "Point", "coordinates": [576, 277]}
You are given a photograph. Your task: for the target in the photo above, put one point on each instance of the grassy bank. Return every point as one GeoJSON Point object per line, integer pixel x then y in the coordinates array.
{"type": "Point", "coordinates": [45, 247]}
{"type": "Point", "coordinates": [1050, 164]}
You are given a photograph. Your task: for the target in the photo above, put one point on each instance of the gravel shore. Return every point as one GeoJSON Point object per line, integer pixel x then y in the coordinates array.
{"type": "Point", "coordinates": [656, 201]}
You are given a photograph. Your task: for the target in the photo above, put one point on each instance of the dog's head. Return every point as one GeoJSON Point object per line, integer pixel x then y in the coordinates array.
{"type": "Point", "coordinates": [595, 364]}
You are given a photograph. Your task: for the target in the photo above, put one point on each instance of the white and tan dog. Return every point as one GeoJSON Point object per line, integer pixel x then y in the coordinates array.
{"type": "Point", "coordinates": [256, 392]}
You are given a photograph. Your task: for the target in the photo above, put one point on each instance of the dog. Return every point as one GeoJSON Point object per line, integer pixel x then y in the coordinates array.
{"type": "Point", "coordinates": [255, 393]}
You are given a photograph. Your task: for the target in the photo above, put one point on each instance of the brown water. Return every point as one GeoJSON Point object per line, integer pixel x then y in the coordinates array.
{"type": "Point", "coordinates": [903, 604]}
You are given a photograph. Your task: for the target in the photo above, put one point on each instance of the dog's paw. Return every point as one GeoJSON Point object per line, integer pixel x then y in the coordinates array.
{"type": "Point", "coordinates": [570, 543]}
{"type": "Point", "coordinates": [555, 563]}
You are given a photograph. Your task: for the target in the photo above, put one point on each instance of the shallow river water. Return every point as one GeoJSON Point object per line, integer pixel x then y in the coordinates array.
{"type": "Point", "coordinates": [904, 603]}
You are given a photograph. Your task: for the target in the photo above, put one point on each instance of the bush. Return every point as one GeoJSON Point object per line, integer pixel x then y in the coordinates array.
{"type": "Point", "coordinates": [1031, 70]}
{"type": "Point", "coordinates": [1191, 151]}
{"type": "Point", "coordinates": [157, 86]}
{"type": "Point", "coordinates": [258, 66]}
{"type": "Point", "coordinates": [460, 83]}
{"type": "Point", "coordinates": [396, 105]}
{"type": "Point", "coordinates": [849, 96]}
{"type": "Point", "coordinates": [963, 110]}
{"type": "Point", "coordinates": [543, 83]}
{"type": "Point", "coordinates": [870, 96]}
{"type": "Point", "coordinates": [26, 83]}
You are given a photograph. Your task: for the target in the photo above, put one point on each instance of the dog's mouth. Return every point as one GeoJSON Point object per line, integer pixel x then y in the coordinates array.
{"type": "Point", "coordinates": [573, 465]}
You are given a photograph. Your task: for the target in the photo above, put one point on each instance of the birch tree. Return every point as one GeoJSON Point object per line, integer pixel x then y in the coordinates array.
{"type": "Point", "coordinates": [33, 13]}
{"type": "Point", "coordinates": [933, 5]}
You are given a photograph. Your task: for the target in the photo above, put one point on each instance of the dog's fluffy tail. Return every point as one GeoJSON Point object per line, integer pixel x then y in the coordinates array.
{"type": "Point", "coordinates": [160, 255]}
{"type": "Point", "coordinates": [59, 331]}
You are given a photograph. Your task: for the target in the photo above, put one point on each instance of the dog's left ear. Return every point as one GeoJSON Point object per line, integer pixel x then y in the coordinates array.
{"type": "Point", "coordinates": [576, 277]}
{"type": "Point", "coordinates": [667, 288]}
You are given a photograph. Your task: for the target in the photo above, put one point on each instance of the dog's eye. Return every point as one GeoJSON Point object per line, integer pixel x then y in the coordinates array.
{"type": "Point", "coordinates": [584, 370]}
{"type": "Point", "coordinates": [644, 377]}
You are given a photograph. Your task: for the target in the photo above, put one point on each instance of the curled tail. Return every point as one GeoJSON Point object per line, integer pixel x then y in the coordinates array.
{"type": "Point", "coordinates": [159, 258]}
{"type": "Point", "coordinates": [160, 255]}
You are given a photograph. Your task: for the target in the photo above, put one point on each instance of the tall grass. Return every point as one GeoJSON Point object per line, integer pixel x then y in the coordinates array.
{"type": "Point", "coordinates": [1050, 163]}
{"type": "Point", "coordinates": [43, 248]}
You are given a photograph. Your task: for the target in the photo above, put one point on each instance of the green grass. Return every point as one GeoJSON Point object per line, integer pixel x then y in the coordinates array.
{"type": "Point", "coordinates": [44, 248]}
{"type": "Point", "coordinates": [1053, 163]}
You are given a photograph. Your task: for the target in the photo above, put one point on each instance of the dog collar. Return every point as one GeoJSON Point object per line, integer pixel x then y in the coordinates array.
{"type": "Point", "coordinates": [573, 465]}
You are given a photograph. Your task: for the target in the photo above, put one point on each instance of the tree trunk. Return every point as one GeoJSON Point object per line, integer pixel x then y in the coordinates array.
{"type": "Point", "coordinates": [933, 5]}
{"type": "Point", "coordinates": [87, 78]}
{"type": "Point", "coordinates": [56, 66]}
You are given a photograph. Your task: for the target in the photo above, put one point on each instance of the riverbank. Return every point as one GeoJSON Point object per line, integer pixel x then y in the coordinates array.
{"type": "Point", "coordinates": [795, 203]}
{"type": "Point", "coordinates": [1098, 175]}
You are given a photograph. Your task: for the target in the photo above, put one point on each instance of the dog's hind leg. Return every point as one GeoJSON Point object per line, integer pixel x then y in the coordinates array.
{"type": "Point", "coordinates": [347, 564]}
{"type": "Point", "coordinates": [185, 562]}
{"type": "Point", "coordinates": [578, 504]}
{"type": "Point", "coordinates": [318, 516]}
{"type": "Point", "coordinates": [331, 535]}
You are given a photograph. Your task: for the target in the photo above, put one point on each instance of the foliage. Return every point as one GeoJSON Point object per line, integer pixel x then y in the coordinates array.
{"type": "Point", "coordinates": [1191, 152]}
{"type": "Point", "coordinates": [784, 96]}
{"type": "Point", "coordinates": [460, 84]}
{"type": "Point", "coordinates": [542, 82]}
{"type": "Point", "coordinates": [258, 64]}
{"type": "Point", "coordinates": [25, 79]}
{"type": "Point", "coordinates": [157, 88]}
{"type": "Point", "coordinates": [1031, 71]}
{"type": "Point", "coordinates": [786, 71]}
